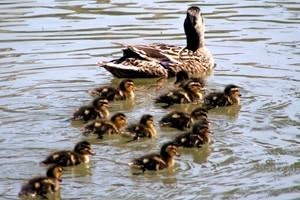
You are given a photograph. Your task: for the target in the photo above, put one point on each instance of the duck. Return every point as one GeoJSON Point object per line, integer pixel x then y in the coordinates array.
{"type": "Point", "coordinates": [44, 185]}
{"type": "Point", "coordinates": [100, 127]}
{"type": "Point", "coordinates": [183, 77]}
{"type": "Point", "coordinates": [230, 96]}
{"type": "Point", "coordinates": [182, 120]}
{"type": "Point", "coordinates": [124, 91]}
{"type": "Point", "coordinates": [191, 92]}
{"type": "Point", "coordinates": [81, 154]}
{"type": "Point", "coordinates": [145, 128]}
{"type": "Point", "coordinates": [155, 161]}
{"type": "Point", "coordinates": [97, 109]}
{"type": "Point", "coordinates": [199, 136]}
{"type": "Point", "coordinates": [164, 61]}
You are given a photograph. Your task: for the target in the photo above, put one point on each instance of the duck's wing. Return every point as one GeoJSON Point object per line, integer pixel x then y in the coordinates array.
{"type": "Point", "coordinates": [143, 61]}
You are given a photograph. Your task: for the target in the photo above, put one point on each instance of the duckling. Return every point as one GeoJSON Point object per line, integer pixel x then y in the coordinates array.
{"type": "Point", "coordinates": [162, 60]}
{"type": "Point", "coordinates": [190, 93]}
{"type": "Point", "coordinates": [100, 127]}
{"type": "Point", "coordinates": [183, 77]}
{"type": "Point", "coordinates": [124, 91]}
{"type": "Point", "coordinates": [182, 120]}
{"type": "Point", "coordinates": [80, 154]}
{"type": "Point", "coordinates": [199, 136]}
{"type": "Point", "coordinates": [230, 96]}
{"type": "Point", "coordinates": [43, 186]}
{"type": "Point", "coordinates": [145, 128]}
{"type": "Point", "coordinates": [165, 159]}
{"type": "Point", "coordinates": [97, 109]}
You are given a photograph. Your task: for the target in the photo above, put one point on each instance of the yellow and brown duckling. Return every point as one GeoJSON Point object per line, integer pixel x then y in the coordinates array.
{"type": "Point", "coordinates": [124, 91]}
{"type": "Point", "coordinates": [97, 109]}
{"type": "Point", "coordinates": [199, 136]}
{"type": "Point", "coordinates": [183, 77]}
{"type": "Point", "coordinates": [162, 60]}
{"type": "Point", "coordinates": [182, 120]}
{"type": "Point", "coordinates": [44, 185]}
{"type": "Point", "coordinates": [165, 159]}
{"type": "Point", "coordinates": [101, 127]}
{"type": "Point", "coordinates": [230, 96]}
{"type": "Point", "coordinates": [81, 154]}
{"type": "Point", "coordinates": [145, 128]}
{"type": "Point", "coordinates": [191, 92]}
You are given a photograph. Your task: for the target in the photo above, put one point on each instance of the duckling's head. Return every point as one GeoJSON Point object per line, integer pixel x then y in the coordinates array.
{"type": "Point", "coordinates": [194, 28]}
{"type": "Point", "coordinates": [127, 86]}
{"type": "Point", "coordinates": [147, 120]}
{"type": "Point", "coordinates": [169, 149]}
{"type": "Point", "coordinates": [199, 113]}
{"type": "Point", "coordinates": [181, 76]}
{"type": "Point", "coordinates": [55, 172]}
{"type": "Point", "coordinates": [84, 148]}
{"type": "Point", "coordinates": [194, 87]}
{"type": "Point", "coordinates": [200, 127]}
{"type": "Point", "coordinates": [119, 119]}
{"type": "Point", "coordinates": [100, 104]}
{"type": "Point", "coordinates": [233, 91]}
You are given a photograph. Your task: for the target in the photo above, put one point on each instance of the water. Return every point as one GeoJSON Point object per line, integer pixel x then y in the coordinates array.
{"type": "Point", "coordinates": [48, 51]}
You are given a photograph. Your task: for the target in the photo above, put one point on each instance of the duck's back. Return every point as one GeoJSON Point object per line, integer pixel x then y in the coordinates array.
{"type": "Point", "coordinates": [63, 158]}
{"type": "Point", "coordinates": [39, 186]}
{"type": "Point", "coordinates": [150, 162]}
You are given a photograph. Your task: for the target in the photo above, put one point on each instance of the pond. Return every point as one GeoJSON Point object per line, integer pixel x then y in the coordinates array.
{"type": "Point", "coordinates": [48, 55]}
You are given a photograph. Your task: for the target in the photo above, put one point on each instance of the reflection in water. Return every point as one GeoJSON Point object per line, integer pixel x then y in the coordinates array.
{"type": "Point", "coordinates": [48, 61]}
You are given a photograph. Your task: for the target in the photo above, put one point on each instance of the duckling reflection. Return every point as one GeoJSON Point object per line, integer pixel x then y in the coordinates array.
{"type": "Point", "coordinates": [124, 91]}
{"type": "Point", "coordinates": [44, 186]}
{"type": "Point", "coordinates": [81, 154]}
{"type": "Point", "coordinates": [101, 127]}
{"type": "Point", "coordinates": [98, 109]}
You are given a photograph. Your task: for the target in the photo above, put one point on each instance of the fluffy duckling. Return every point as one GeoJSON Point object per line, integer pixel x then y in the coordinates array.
{"type": "Point", "coordinates": [43, 186]}
{"type": "Point", "coordinates": [199, 136]}
{"type": "Point", "coordinates": [165, 159]}
{"type": "Point", "coordinates": [80, 154]}
{"type": "Point", "coordinates": [182, 120]}
{"type": "Point", "coordinates": [183, 77]}
{"type": "Point", "coordinates": [230, 96]}
{"type": "Point", "coordinates": [124, 91]}
{"type": "Point", "coordinates": [190, 93]}
{"type": "Point", "coordinates": [97, 109]}
{"type": "Point", "coordinates": [146, 128]}
{"type": "Point", "coordinates": [100, 127]}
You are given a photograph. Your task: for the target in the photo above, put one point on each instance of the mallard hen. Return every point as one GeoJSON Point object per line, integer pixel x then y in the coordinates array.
{"type": "Point", "coordinates": [161, 60]}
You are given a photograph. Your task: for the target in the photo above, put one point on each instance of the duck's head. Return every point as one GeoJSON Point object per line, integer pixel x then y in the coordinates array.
{"type": "Point", "coordinates": [199, 113]}
{"type": "Point", "coordinates": [194, 87]}
{"type": "Point", "coordinates": [194, 28]}
{"type": "Point", "coordinates": [147, 120]}
{"type": "Point", "coordinates": [100, 104]}
{"type": "Point", "coordinates": [54, 172]}
{"type": "Point", "coordinates": [127, 86]}
{"type": "Point", "coordinates": [84, 148]}
{"type": "Point", "coordinates": [169, 149]}
{"type": "Point", "coordinates": [181, 76]}
{"type": "Point", "coordinates": [233, 91]}
{"type": "Point", "coordinates": [119, 119]}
